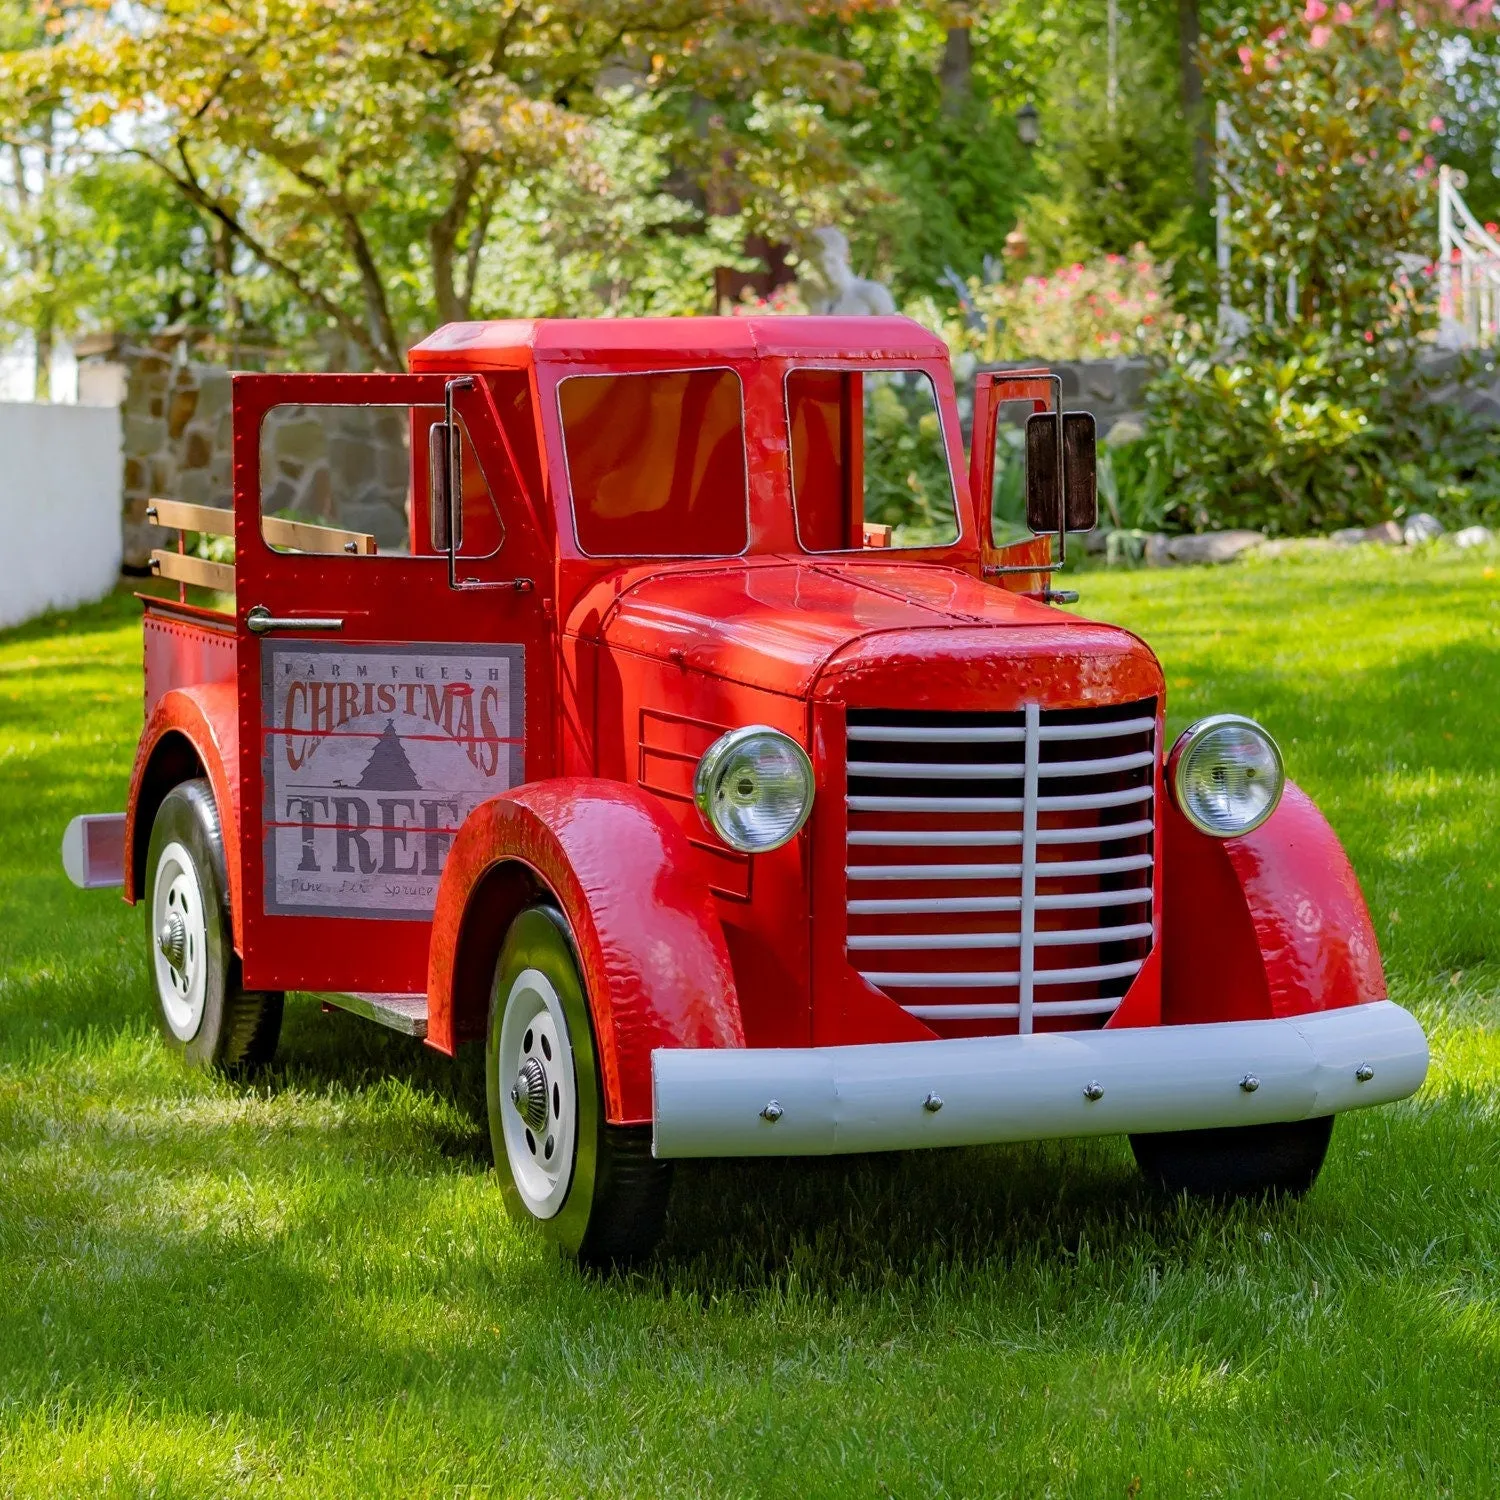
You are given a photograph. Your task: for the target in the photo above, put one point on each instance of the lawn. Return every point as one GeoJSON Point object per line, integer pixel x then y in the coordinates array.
{"type": "Point", "coordinates": [309, 1288]}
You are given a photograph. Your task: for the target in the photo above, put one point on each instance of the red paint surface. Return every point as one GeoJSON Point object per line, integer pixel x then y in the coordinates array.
{"type": "Point", "coordinates": [634, 665]}
{"type": "Point", "coordinates": [1271, 924]}
{"type": "Point", "coordinates": [652, 955]}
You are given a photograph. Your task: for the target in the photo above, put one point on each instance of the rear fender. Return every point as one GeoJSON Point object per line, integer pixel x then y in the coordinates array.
{"type": "Point", "coordinates": [649, 944]}
{"type": "Point", "coordinates": [1269, 925]}
{"type": "Point", "coordinates": [192, 731]}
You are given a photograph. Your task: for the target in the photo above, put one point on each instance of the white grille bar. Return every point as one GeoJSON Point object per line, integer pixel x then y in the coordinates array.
{"type": "Point", "coordinates": [1044, 870]}
{"type": "Point", "coordinates": [979, 980]}
{"type": "Point", "coordinates": [1070, 901]}
{"type": "Point", "coordinates": [961, 838]}
{"type": "Point", "coordinates": [992, 734]}
{"type": "Point", "coordinates": [1089, 802]}
{"type": "Point", "coordinates": [957, 942]}
{"type": "Point", "coordinates": [1028, 866]}
{"type": "Point", "coordinates": [995, 770]}
{"type": "Point", "coordinates": [1003, 1011]}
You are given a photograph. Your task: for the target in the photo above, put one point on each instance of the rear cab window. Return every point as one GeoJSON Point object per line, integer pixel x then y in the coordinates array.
{"type": "Point", "coordinates": [656, 462]}
{"type": "Point", "coordinates": [869, 460]}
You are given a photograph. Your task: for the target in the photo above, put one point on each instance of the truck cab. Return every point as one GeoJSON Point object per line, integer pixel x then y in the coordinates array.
{"type": "Point", "coordinates": [654, 703]}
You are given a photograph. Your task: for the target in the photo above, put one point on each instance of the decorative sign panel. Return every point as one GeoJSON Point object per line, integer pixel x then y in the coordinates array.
{"type": "Point", "coordinates": [373, 757]}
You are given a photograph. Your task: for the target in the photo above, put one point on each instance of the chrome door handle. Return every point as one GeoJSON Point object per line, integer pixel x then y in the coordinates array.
{"type": "Point", "coordinates": [260, 621]}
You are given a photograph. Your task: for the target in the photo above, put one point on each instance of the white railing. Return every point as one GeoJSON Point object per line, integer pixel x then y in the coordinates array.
{"type": "Point", "coordinates": [1468, 269]}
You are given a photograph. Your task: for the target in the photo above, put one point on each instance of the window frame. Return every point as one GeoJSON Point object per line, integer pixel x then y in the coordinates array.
{"type": "Point", "coordinates": [562, 434]}
{"type": "Point", "coordinates": [846, 368]}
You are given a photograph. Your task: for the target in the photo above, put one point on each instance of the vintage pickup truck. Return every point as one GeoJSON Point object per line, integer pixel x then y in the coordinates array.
{"type": "Point", "coordinates": [682, 731]}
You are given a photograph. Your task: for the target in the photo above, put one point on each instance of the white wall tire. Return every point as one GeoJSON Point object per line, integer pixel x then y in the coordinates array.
{"type": "Point", "coordinates": [599, 1196]}
{"type": "Point", "coordinates": [204, 1012]}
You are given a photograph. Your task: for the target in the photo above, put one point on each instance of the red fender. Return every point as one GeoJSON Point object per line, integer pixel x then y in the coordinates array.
{"type": "Point", "coordinates": [192, 731]}
{"type": "Point", "coordinates": [1271, 924]}
{"type": "Point", "coordinates": [649, 942]}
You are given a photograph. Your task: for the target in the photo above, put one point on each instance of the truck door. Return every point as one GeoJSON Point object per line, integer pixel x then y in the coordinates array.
{"type": "Point", "coordinates": [393, 660]}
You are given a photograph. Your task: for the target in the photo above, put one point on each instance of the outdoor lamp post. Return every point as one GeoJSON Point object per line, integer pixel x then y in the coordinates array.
{"type": "Point", "coordinates": [1028, 124]}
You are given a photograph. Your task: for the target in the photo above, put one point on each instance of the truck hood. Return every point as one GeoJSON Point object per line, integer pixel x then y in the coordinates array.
{"type": "Point", "coordinates": [857, 632]}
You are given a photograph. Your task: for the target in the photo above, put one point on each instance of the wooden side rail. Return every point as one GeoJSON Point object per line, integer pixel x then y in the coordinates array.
{"type": "Point", "coordinates": [183, 568]}
{"type": "Point", "coordinates": [299, 536]}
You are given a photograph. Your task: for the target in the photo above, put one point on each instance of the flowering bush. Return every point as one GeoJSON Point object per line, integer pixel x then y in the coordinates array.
{"type": "Point", "coordinates": [1319, 413]}
{"type": "Point", "coordinates": [1115, 305]}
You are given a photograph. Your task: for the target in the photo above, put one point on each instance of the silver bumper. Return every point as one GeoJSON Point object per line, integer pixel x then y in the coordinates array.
{"type": "Point", "coordinates": [818, 1101]}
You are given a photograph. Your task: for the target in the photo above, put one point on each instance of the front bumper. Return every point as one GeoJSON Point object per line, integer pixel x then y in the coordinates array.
{"type": "Point", "coordinates": [892, 1096]}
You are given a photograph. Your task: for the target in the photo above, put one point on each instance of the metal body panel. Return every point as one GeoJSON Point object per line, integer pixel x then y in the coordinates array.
{"type": "Point", "coordinates": [653, 960]}
{"type": "Point", "coordinates": [822, 1101]}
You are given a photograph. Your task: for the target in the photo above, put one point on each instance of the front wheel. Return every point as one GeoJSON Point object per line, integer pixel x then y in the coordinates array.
{"type": "Point", "coordinates": [593, 1188]}
{"type": "Point", "coordinates": [1239, 1161]}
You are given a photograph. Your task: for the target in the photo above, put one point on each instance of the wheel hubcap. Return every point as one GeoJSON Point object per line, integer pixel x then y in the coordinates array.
{"type": "Point", "coordinates": [179, 919]}
{"type": "Point", "coordinates": [538, 1113]}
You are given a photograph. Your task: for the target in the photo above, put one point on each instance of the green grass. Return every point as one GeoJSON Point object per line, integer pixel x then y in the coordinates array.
{"type": "Point", "coordinates": [309, 1288]}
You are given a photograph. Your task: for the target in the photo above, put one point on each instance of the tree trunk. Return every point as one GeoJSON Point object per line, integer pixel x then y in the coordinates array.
{"type": "Point", "coordinates": [224, 271]}
{"type": "Point", "coordinates": [44, 336]}
{"type": "Point", "coordinates": [1189, 39]}
{"type": "Point", "coordinates": [957, 69]}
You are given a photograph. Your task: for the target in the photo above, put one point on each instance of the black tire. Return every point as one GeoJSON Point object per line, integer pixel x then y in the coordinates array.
{"type": "Point", "coordinates": [605, 1205]}
{"type": "Point", "coordinates": [220, 1025]}
{"type": "Point", "coordinates": [1242, 1161]}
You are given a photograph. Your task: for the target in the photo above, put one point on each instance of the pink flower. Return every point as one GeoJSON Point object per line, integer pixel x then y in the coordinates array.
{"type": "Point", "coordinates": [1277, 35]}
{"type": "Point", "coordinates": [1318, 37]}
{"type": "Point", "coordinates": [1369, 337]}
{"type": "Point", "coordinates": [1247, 57]}
{"type": "Point", "coordinates": [1492, 228]}
{"type": "Point", "coordinates": [1315, 11]}
{"type": "Point", "coordinates": [1403, 134]}
{"type": "Point", "coordinates": [1343, 13]}
{"type": "Point", "coordinates": [1273, 62]}
{"type": "Point", "coordinates": [1435, 124]}
{"type": "Point", "coordinates": [1281, 169]}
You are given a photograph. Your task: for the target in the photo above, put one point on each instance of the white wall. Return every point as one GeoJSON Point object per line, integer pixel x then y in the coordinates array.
{"type": "Point", "coordinates": [60, 495]}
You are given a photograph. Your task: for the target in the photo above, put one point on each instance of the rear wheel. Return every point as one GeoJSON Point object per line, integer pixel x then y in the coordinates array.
{"type": "Point", "coordinates": [1241, 1161]}
{"type": "Point", "coordinates": [204, 1012]}
{"type": "Point", "coordinates": [593, 1188]}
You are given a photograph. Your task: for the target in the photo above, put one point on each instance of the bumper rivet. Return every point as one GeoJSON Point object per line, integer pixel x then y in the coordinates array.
{"type": "Point", "coordinates": [1093, 1090]}
{"type": "Point", "coordinates": [932, 1103]}
{"type": "Point", "coordinates": [1364, 1072]}
{"type": "Point", "coordinates": [1249, 1083]}
{"type": "Point", "coordinates": [771, 1113]}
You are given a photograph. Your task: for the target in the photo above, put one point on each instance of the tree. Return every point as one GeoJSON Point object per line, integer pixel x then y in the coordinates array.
{"type": "Point", "coordinates": [359, 150]}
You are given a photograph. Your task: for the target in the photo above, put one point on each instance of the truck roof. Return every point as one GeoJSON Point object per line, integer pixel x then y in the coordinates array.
{"type": "Point", "coordinates": [510, 342]}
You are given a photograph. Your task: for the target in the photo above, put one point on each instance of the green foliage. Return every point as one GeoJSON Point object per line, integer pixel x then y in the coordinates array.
{"type": "Point", "coordinates": [907, 482]}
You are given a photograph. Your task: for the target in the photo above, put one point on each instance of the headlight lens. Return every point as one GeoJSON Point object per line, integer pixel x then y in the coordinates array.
{"type": "Point", "coordinates": [755, 788]}
{"type": "Point", "coordinates": [1226, 775]}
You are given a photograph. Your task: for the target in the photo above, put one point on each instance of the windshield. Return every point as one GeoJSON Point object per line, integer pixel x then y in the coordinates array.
{"type": "Point", "coordinates": [656, 463]}
{"type": "Point", "coordinates": [869, 460]}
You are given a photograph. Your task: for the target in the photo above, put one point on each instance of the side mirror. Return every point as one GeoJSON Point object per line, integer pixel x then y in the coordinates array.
{"type": "Point", "coordinates": [445, 513]}
{"type": "Point", "coordinates": [1068, 501]}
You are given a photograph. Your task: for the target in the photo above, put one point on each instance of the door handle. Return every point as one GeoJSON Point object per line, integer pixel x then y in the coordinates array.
{"type": "Point", "coordinates": [260, 621]}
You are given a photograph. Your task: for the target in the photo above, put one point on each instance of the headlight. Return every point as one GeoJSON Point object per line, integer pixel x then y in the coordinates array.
{"type": "Point", "coordinates": [755, 788]}
{"type": "Point", "coordinates": [1225, 774]}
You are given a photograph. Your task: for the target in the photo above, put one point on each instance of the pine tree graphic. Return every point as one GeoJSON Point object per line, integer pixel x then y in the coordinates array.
{"type": "Point", "coordinates": [388, 769]}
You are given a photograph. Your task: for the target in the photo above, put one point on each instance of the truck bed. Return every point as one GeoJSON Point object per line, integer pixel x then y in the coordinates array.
{"type": "Point", "coordinates": [184, 644]}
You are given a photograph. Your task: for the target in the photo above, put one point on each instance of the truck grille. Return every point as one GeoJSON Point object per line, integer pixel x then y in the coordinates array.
{"type": "Point", "coordinates": [1000, 864]}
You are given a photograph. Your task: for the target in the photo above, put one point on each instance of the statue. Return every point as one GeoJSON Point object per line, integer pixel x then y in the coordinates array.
{"type": "Point", "coordinates": [834, 288]}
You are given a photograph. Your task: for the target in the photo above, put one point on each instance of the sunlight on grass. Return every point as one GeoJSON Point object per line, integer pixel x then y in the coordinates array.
{"type": "Point", "coordinates": [308, 1286]}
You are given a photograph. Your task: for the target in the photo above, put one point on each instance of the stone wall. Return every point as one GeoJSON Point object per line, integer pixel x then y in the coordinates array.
{"type": "Point", "coordinates": [342, 466]}
{"type": "Point", "coordinates": [1110, 388]}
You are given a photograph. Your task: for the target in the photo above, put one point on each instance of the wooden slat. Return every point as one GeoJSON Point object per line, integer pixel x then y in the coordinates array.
{"type": "Point", "coordinates": [205, 518]}
{"type": "Point", "coordinates": [300, 536]}
{"type": "Point", "coordinates": [303, 536]}
{"type": "Point", "coordinates": [194, 570]}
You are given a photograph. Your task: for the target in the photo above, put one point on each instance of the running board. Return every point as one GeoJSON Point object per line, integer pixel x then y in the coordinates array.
{"type": "Point", "coordinates": [404, 1013]}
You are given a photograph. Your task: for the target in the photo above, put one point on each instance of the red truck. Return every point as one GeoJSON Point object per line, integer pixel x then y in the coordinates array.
{"type": "Point", "coordinates": [653, 702]}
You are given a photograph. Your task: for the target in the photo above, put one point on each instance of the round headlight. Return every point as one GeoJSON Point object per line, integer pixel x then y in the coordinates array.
{"type": "Point", "coordinates": [1226, 775]}
{"type": "Point", "coordinates": [755, 788]}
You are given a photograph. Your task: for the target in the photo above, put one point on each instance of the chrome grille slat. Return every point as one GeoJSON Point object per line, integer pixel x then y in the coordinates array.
{"type": "Point", "coordinates": [973, 905]}
{"type": "Point", "coordinates": [1045, 869]}
{"type": "Point", "coordinates": [1103, 932]}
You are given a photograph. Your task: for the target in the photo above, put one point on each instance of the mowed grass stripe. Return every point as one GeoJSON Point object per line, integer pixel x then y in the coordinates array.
{"type": "Point", "coordinates": [309, 1288]}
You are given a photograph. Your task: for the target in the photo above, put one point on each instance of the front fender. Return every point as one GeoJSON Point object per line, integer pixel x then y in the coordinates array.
{"type": "Point", "coordinates": [1269, 925]}
{"type": "Point", "coordinates": [192, 731]}
{"type": "Point", "coordinates": [650, 946]}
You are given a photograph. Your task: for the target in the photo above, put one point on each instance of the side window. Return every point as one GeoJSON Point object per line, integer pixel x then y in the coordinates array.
{"type": "Point", "coordinates": [656, 463]}
{"type": "Point", "coordinates": [339, 479]}
{"type": "Point", "coordinates": [869, 460]}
